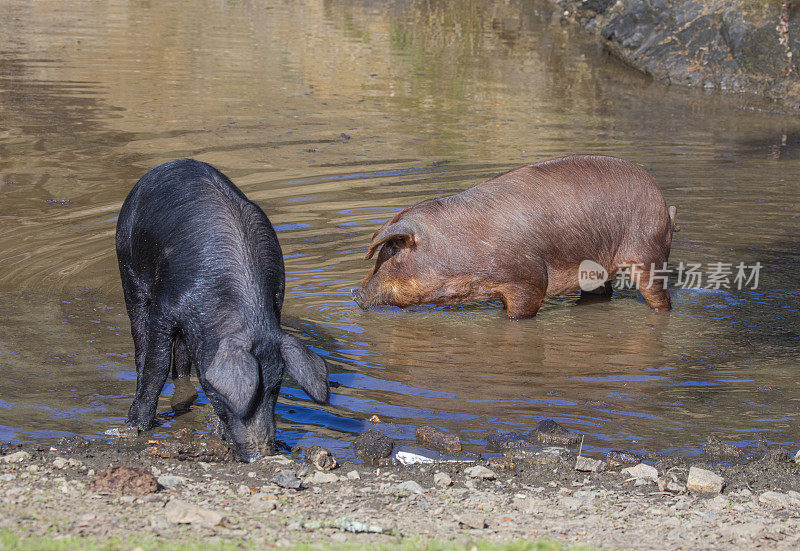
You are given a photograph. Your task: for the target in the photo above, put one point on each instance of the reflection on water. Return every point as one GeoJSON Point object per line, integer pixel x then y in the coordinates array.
{"type": "Point", "coordinates": [333, 115]}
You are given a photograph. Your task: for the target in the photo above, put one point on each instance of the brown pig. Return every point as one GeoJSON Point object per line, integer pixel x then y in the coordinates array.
{"type": "Point", "coordinates": [521, 236]}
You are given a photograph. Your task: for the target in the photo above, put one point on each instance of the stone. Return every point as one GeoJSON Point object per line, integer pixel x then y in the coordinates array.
{"type": "Point", "coordinates": [776, 500]}
{"type": "Point", "coordinates": [670, 485]}
{"type": "Point", "coordinates": [411, 487]}
{"type": "Point", "coordinates": [171, 480]}
{"type": "Point", "coordinates": [371, 446]}
{"type": "Point", "coordinates": [442, 480]}
{"type": "Point", "coordinates": [471, 520]}
{"type": "Point", "coordinates": [587, 464]}
{"type": "Point", "coordinates": [704, 481]}
{"type": "Point", "coordinates": [124, 480]}
{"type": "Point", "coordinates": [550, 432]}
{"type": "Point", "coordinates": [353, 475]}
{"type": "Point", "coordinates": [438, 439]}
{"type": "Point", "coordinates": [718, 449]}
{"type": "Point", "coordinates": [243, 490]}
{"type": "Point", "coordinates": [321, 477]}
{"type": "Point", "coordinates": [287, 479]}
{"type": "Point", "coordinates": [479, 471]}
{"type": "Point", "coordinates": [618, 458]}
{"type": "Point", "coordinates": [409, 458]}
{"type": "Point", "coordinates": [60, 463]}
{"type": "Point", "coordinates": [177, 511]}
{"type": "Point", "coordinates": [796, 458]}
{"type": "Point", "coordinates": [16, 457]}
{"type": "Point", "coordinates": [642, 471]}
{"type": "Point", "coordinates": [503, 440]}
{"type": "Point", "coordinates": [320, 458]}
{"type": "Point", "coordinates": [356, 527]}
{"type": "Point", "coordinates": [260, 503]}
{"type": "Point", "coordinates": [718, 503]}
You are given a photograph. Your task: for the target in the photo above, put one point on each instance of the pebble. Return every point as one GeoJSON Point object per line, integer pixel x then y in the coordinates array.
{"type": "Point", "coordinates": [243, 490]}
{"type": "Point", "coordinates": [180, 512]}
{"type": "Point", "coordinates": [471, 520]}
{"type": "Point", "coordinates": [371, 446]}
{"type": "Point", "coordinates": [287, 479]}
{"type": "Point", "coordinates": [353, 475]}
{"type": "Point", "coordinates": [718, 503]}
{"type": "Point", "coordinates": [442, 480]}
{"type": "Point", "coordinates": [642, 471]}
{"type": "Point", "coordinates": [439, 439]}
{"type": "Point", "coordinates": [704, 481]}
{"type": "Point", "coordinates": [171, 480]}
{"type": "Point", "coordinates": [60, 463]}
{"type": "Point", "coordinates": [16, 457]}
{"type": "Point", "coordinates": [587, 464]}
{"type": "Point", "coordinates": [322, 477]}
{"type": "Point", "coordinates": [479, 471]}
{"type": "Point", "coordinates": [411, 487]}
{"type": "Point", "coordinates": [776, 500]}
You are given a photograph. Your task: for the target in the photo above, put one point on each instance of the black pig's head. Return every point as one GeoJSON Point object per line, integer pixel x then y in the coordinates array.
{"type": "Point", "coordinates": [242, 382]}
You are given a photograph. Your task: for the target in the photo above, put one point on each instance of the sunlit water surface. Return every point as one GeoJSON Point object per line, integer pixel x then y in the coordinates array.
{"type": "Point", "coordinates": [333, 115]}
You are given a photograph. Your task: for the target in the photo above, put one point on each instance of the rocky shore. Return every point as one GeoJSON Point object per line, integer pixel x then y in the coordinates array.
{"type": "Point", "coordinates": [100, 491]}
{"type": "Point", "coordinates": [732, 45]}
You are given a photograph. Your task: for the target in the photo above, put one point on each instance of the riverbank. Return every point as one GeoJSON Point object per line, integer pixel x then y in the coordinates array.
{"type": "Point", "coordinates": [65, 493]}
{"type": "Point", "coordinates": [731, 45]}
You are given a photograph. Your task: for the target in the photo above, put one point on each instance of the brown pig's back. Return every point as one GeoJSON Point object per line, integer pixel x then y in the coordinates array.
{"type": "Point", "coordinates": [564, 211]}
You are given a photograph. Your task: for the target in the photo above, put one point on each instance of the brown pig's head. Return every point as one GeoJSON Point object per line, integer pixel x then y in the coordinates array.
{"type": "Point", "coordinates": [404, 272]}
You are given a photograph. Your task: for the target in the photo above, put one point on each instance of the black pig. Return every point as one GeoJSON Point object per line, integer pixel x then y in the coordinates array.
{"type": "Point", "coordinates": [203, 279]}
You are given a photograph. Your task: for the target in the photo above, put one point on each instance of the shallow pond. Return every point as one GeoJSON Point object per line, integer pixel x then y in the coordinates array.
{"type": "Point", "coordinates": [333, 115]}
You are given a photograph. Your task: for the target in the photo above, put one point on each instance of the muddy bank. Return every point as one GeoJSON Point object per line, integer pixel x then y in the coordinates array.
{"type": "Point", "coordinates": [528, 492]}
{"type": "Point", "coordinates": [732, 45]}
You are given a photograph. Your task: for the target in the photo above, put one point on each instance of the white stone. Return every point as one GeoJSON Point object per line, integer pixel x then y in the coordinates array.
{"type": "Point", "coordinates": [16, 457]}
{"type": "Point", "coordinates": [442, 480]}
{"type": "Point", "coordinates": [704, 481]}
{"type": "Point", "coordinates": [479, 471]}
{"type": "Point", "coordinates": [642, 471]}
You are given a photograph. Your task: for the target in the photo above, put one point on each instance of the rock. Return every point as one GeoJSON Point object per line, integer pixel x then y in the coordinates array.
{"type": "Point", "coordinates": [371, 446]}
{"type": "Point", "coordinates": [261, 503]}
{"type": "Point", "coordinates": [411, 487]}
{"type": "Point", "coordinates": [186, 446]}
{"type": "Point", "coordinates": [618, 458]}
{"type": "Point", "coordinates": [60, 463]}
{"type": "Point", "coordinates": [180, 512]}
{"type": "Point", "coordinates": [503, 463]}
{"type": "Point", "coordinates": [703, 481]}
{"type": "Point", "coordinates": [442, 480]}
{"type": "Point", "coordinates": [320, 477]}
{"type": "Point", "coordinates": [16, 457]}
{"type": "Point", "coordinates": [243, 490]}
{"type": "Point", "coordinates": [353, 475]}
{"type": "Point", "coordinates": [588, 464]}
{"type": "Point", "coordinates": [550, 432]}
{"type": "Point", "coordinates": [471, 520]}
{"type": "Point", "coordinates": [479, 471]}
{"type": "Point", "coordinates": [642, 471]}
{"type": "Point", "coordinates": [123, 480]}
{"type": "Point", "coordinates": [670, 484]}
{"type": "Point", "coordinates": [718, 503]}
{"type": "Point", "coordinates": [439, 439]}
{"type": "Point", "coordinates": [320, 458]}
{"type": "Point", "coordinates": [375, 420]}
{"type": "Point", "coordinates": [796, 458]}
{"type": "Point", "coordinates": [718, 449]}
{"type": "Point", "coordinates": [502, 440]}
{"type": "Point", "coordinates": [356, 527]}
{"type": "Point", "coordinates": [776, 500]}
{"type": "Point", "coordinates": [408, 458]}
{"type": "Point", "coordinates": [748, 530]}
{"type": "Point", "coordinates": [287, 479]}
{"type": "Point", "coordinates": [171, 480]}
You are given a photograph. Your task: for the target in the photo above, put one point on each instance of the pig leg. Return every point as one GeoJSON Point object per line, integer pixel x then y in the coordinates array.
{"type": "Point", "coordinates": [653, 289]}
{"type": "Point", "coordinates": [522, 301]}
{"type": "Point", "coordinates": [151, 378]}
{"type": "Point", "coordinates": [185, 394]}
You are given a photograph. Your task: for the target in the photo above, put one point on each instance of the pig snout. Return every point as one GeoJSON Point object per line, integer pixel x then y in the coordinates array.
{"type": "Point", "coordinates": [357, 298]}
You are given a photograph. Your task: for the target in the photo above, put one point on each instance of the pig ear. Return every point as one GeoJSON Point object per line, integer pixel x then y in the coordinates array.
{"type": "Point", "coordinates": [402, 229]}
{"type": "Point", "coordinates": [234, 375]}
{"type": "Point", "coordinates": [309, 370]}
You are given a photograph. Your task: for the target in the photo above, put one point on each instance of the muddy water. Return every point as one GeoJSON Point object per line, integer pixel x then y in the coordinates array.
{"type": "Point", "coordinates": [333, 115]}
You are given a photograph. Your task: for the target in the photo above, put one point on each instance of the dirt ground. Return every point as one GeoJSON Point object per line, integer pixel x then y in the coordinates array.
{"type": "Point", "coordinates": [525, 494]}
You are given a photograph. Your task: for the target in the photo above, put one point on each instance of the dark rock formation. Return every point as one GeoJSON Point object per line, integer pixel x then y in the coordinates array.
{"type": "Point", "coordinates": [737, 45]}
